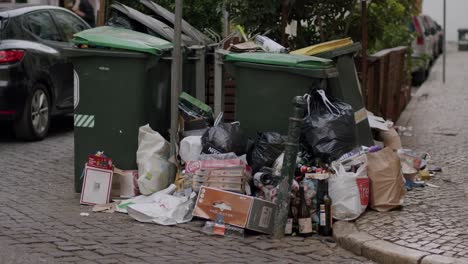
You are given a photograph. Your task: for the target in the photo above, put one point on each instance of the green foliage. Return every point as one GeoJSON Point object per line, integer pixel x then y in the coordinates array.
{"type": "Point", "coordinates": [387, 25]}
{"type": "Point", "coordinates": [199, 13]}
{"type": "Point", "coordinates": [257, 16]}
{"type": "Point", "coordinates": [323, 20]}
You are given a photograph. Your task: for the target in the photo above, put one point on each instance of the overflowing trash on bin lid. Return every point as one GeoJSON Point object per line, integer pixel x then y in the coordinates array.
{"type": "Point", "coordinates": [232, 179]}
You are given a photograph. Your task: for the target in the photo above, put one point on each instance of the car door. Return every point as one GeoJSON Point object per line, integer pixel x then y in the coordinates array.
{"type": "Point", "coordinates": [44, 29]}
{"type": "Point", "coordinates": [69, 24]}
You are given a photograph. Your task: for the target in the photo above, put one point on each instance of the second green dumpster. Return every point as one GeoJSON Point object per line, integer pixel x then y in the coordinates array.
{"type": "Point", "coordinates": [267, 82]}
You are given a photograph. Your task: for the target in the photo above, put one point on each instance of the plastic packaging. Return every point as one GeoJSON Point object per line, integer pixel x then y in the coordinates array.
{"type": "Point", "coordinates": [152, 159]}
{"type": "Point", "coordinates": [190, 148]}
{"type": "Point", "coordinates": [224, 138]}
{"type": "Point", "coordinates": [267, 148]}
{"type": "Point", "coordinates": [269, 45]}
{"type": "Point", "coordinates": [213, 228]}
{"type": "Point", "coordinates": [163, 208]}
{"type": "Point", "coordinates": [349, 192]}
{"type": "Point", "coordinates": [329, 130]}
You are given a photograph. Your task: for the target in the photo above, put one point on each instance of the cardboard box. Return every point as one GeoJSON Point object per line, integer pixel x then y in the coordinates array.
{"type": "Point", "coordinates": [237, 209]}
{"type": "Point", "coordinates": [193, 166]}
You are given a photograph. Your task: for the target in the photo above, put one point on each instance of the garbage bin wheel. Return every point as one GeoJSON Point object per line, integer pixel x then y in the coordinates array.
{"type": "Point", "coordinates": [34, 122]}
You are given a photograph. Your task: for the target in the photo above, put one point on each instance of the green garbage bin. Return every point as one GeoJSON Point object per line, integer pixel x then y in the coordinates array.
{"type": "Point", "coordinates": [267, 82]}
{"type": "Point", "coordinates": [347, 88]}
{"type": "Point", "coordinates": [122, 83]}
{"type": "Point", "coordinates": [463, 39]}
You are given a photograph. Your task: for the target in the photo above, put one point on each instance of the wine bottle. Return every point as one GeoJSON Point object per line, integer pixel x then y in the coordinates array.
{"type": "Point", "coordinates": [288, 229]}
{"type": "Point", "coordinates": [326, 221]}
{"type": "Point", "coordinates": [304, 219]}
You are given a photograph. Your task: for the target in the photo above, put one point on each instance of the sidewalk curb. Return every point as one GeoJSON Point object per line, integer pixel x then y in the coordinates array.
{"type": "Point", "coordinates": [350, 238]}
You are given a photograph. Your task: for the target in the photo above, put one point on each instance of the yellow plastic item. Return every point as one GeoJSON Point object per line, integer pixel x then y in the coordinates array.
{"type": "Point", "coordinates": [323, 47]}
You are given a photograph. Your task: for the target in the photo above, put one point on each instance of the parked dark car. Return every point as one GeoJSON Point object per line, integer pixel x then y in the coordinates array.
{"type": "Point", "coordinates": [36, 79]}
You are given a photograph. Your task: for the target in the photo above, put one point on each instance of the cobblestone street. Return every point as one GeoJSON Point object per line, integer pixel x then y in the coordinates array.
{"type": "Point", "coordinates": [434, 220]}
{"type": "Point", "coordinates": [40, 221]}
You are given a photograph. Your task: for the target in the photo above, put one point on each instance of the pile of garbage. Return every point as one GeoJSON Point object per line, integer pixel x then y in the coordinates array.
{"type": "Point", "coordinates": [232, 181]}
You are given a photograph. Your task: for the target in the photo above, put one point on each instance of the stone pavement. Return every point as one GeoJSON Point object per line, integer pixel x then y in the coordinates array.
{"type": "Point", "coordinates": [40, 221]}
{"type": "Point", "coordinates": [434, 220]}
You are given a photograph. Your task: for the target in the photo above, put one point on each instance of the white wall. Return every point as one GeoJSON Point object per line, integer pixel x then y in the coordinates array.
{"type": "Point", "coordinates": [457, 15]}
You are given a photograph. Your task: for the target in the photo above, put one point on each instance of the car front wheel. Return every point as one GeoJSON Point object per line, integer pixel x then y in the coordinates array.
{"type": "Point", "coordinates": [34, 122]}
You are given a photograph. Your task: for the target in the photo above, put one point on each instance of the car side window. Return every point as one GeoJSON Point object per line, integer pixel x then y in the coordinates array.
{"type": "Point", "coordinates": [69, 24]}
{"type": "Point", "coordinates": [42, 25]}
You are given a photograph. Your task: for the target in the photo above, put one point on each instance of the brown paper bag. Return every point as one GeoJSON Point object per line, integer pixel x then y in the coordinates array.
{"type": "Point", "coordinates": [387, 186]}
{"type": "Point", "coordinates": [391, 139]}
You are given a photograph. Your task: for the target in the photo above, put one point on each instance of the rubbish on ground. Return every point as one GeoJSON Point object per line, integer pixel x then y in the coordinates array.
{"type": "Point", "coordinates": [106, 208]}
{"type": "Point", "coordinates": [237, 209]}
{"type": "Point", "coordinates": [304, 217]}
{"type": "Point", "coordinates": [269, 45]}
{"type": "Point", "coordinates": [404, 131]}
{"type": "Point", "coordinates": [329, 128]}
{"type": "Point", "coordinates": [424, 175]}
{"type": "Point", "coordinates": [387, 185]}
{"type": "Point", "coordinates": [410, 184]}
{"type": "Point", "coordinates": [224, 138]}
{"type": "Point", "coordinates": [84, 214]}
{"type": "Point", "coordinates": [190, 148]}
{"type": "Point", "coordinates": [432, 185]}
{"type": "Point", "coordinates": [435, 169]}
{"type": "Point", "coordinates": [233, 179]}
{"type": "Point", "coordinates": [163, 207]}
{"type": "Point", "coordinates": [193, 166]}
{"type": "Point", "coordinates": [195, 108]}
{"type": "Point", "coordinates": [152, 160]}
{"type": "Point", "coordinates": [122, 206]}
{"type": "Point", "coordinates": [278, 164]}
{"type": "Point", "coordinates": [267, 148]}
{"type": "Point", "coordinates": [224, 156]}
{"type": "Point", "coordinates": [349, 191]}
{"type": "Point", "coordinates": [377, 122]}
{"type": "Point", "coordinates": [125, 183]}
{"type": "Point", "coordinates": [97, 182]}
{"type": "Point", "coordinates": [221, 229]}
{"type": "Point", "coordinates": [267, 183]}
{"type": "Point", "coordinates": [390, 139]}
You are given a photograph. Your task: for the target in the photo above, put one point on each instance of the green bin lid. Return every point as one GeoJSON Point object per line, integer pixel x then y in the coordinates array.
{"type": "Point", "coordinates": [280, 59]}
{"type": "Point", "coordinates": [120, 38]}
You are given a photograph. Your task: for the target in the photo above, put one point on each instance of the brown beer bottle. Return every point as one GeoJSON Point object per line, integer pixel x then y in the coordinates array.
{"type": "Point", "coordinates": [304, 219]}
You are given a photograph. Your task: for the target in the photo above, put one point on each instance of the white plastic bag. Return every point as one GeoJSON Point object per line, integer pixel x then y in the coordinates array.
{"type": "Point", "coordinates": [165, 209]}
{"type": "Point", "coordinates": [162, 208]}
{"type": "Point", "coordinates": [190, 148]}
{"type": "Point", "coordinates": [152, 159]}
{"type": "Point", "coordinates": [349, 192]}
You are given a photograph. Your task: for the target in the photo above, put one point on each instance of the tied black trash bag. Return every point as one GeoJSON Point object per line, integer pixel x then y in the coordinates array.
{"type": "Point", "coordinates": [329, 130]}
{"type": "Point", "coordinates": [267, 148]}
{"type": "Point", "coordinates": [224, 138]}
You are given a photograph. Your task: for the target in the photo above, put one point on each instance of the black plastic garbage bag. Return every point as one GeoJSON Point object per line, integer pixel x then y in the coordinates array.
{"type": "Point", "coordinates": [224, 138]}
{"type": "Point", "coordinates": [329, 129]}
{"type": "Point", "coordinates": [266, 149]}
